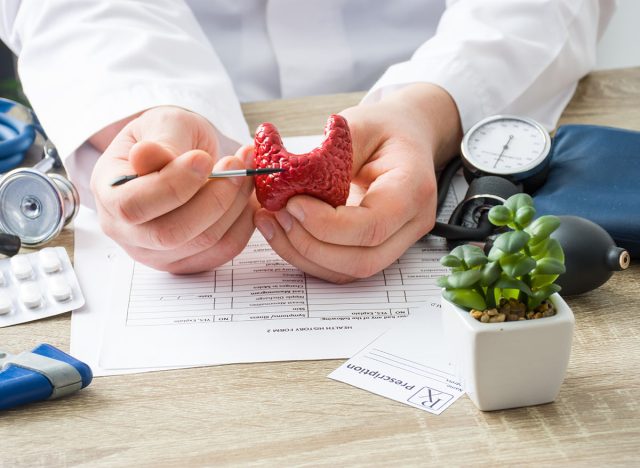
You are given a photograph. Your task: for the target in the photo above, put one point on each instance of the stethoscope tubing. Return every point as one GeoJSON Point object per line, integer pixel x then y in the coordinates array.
{"type": "Point", "coordinates": [16, 139]}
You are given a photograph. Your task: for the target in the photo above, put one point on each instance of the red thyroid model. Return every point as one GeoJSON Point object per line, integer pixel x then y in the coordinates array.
{"type": "Point", "coordinates": [324, 173]}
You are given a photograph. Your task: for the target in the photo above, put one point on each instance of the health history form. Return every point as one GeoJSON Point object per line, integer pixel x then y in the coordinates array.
{"type": "Point", "coordinates": [258, 285]}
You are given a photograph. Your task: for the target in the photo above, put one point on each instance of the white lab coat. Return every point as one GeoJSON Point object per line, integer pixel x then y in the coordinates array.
{"type": "Point", "coordinates": [85, 64]}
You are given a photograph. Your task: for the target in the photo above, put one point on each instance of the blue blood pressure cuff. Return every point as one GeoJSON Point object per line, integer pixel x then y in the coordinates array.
{"type": "Point", "coordinates": [594, 173]}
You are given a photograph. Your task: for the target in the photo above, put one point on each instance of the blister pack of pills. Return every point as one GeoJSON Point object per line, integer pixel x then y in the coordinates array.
{"type": "Point", "coordinates": [37, 285]}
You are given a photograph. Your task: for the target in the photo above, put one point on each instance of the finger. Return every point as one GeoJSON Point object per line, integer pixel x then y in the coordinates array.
{"type": "Point", "coordinates": [217, 228]}
{"type": "Point", "coordinates": [275, 235]}
{"type": "Point", "coordinates": [389, 203]}
{"type": "Point", "coordinates": [176, 129]}
{"type": "Point", "coordinates": [175, 238]}
{"type": "Point", "coordinates": [209, 238]}
{"type": "Point", "coordinates": [149, 156]}
{"type": "Point", "coordinates": [246, 154]}
{"type": "Point", "coordinates": [204, 218]}
{"type": "Point", "coordinates": [231, 244]}
{"type": "Point", "coordinates": [359, 262]}
{"type": "Point", "coordinates": [157, 193]}
{"type": "Point", "coordinates": [195, 226]}
{"type": "Point", "coordinates": [366, 134]}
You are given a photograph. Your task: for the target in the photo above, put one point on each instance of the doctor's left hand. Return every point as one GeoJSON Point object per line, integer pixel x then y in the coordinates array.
{"type": "Point", "coordinates": [173, 217]}
{"type": "Point", "coordinates": [397, 142]}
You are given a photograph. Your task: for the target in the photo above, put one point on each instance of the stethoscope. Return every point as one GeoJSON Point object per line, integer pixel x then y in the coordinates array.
{"type": "Point", "coordinates": [35, 205]}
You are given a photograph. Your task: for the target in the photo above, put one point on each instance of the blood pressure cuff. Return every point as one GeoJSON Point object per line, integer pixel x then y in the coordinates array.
{"type": "Point", "coordinates": [594, 172]}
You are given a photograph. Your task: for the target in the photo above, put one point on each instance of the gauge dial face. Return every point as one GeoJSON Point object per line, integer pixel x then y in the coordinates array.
{"type": "Point", "coordinates": [506, 145]}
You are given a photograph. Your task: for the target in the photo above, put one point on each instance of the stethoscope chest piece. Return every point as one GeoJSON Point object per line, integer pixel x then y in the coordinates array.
{"type": "Point", "coordinates": [36, 206]}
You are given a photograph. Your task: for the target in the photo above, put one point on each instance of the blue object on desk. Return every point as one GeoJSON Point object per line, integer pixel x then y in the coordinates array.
{"type": "Point", "coordinates": [42, 374]}
{"type": "Point", "coordinates": [16, 136]}
{"type": "Point", "coordinates": [594, 174]}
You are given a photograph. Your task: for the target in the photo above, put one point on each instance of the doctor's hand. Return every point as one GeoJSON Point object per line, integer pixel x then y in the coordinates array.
{"type": "Point", "coordinates": [398, 143]}
{"type": "Point", "coordinates": [172, 217]}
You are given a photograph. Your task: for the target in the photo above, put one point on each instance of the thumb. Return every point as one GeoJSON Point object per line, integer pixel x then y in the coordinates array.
{"type": "Point", "coordinates": [148, 156]}
{"type": "Point", "coordinates": [366, 136]}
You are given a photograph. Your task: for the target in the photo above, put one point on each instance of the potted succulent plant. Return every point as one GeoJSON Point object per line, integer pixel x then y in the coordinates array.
{"type": "Point", "coordinates": [509, 329]}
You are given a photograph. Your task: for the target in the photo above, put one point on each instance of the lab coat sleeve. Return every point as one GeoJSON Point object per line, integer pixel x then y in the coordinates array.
{"type": "Point", "coordinates": [502, 56]}
{"type": "Point", "coordinates": [86, 64]}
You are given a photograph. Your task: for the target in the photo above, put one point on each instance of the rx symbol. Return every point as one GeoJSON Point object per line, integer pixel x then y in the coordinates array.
{"type": "Point", "coordinates": [430, 398]}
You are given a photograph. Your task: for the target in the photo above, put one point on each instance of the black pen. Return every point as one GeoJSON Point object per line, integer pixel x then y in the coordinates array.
{"type": "Point", "coordinates": [214, 175]}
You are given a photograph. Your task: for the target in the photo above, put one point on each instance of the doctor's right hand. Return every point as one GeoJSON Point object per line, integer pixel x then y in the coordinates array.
{"type": "Point", "coordinates": [173, 217]}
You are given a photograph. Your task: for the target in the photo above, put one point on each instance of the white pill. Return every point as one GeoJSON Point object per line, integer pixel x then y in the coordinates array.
{"type": "Point", "coordinates": [60, 288]}
{"type": "Point", "coordinates": [2, 281]}
{"type": "Point", "coordinates": [5, 303]}
{"type": "Point", "coordinates": [21, 267]}
{"type": "Point", "coordinates": [50, 261]}
{"type": "Point", "coordinates": [30, 295]}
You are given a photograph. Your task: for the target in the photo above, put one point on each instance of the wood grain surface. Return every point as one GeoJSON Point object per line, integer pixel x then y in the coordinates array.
{"type": "Point", "coordinates": [290, 413]}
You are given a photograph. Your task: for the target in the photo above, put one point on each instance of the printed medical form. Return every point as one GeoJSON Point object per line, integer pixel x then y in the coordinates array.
{"type": "Point", "coordinates": [257, 285]}
{"type": "Point", "coordinates": [255, 308]}
{"type": "Point", "coordinates": [410, 364]}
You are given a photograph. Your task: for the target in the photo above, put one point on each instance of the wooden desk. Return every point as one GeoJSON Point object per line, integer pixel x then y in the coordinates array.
{"type": "Point", "coordinates": [289, 413]}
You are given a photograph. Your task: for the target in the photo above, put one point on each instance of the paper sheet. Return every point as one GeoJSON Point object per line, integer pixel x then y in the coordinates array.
{"type": "Point", "coordinates": [408, 364]}
{"type": "Point", "coordinates": [256, 308]}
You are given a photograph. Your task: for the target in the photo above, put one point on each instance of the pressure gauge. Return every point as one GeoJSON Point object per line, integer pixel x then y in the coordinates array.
{"type": "Point", "coordinates": [516, 148]}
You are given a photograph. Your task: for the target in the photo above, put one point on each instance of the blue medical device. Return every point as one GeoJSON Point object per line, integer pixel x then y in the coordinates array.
{"type": "Point", "coordinates": [17, 134]}
{"type": "Point", "coordinates": [45, 373]}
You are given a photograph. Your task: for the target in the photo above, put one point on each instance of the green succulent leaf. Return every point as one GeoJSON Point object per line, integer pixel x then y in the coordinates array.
{"type": "Point", "coordinates": [443, 282]}
{"type": "Point", "coordinates": [554, 250]}
{"type": "Point", "coordinates": [489, 273]}
{"type": "Point", "coordinates": [495, 254]}
{"type": "Point", "coordinates": [548, 248]}
{"type": "Point", "coordinates": [541, 228]}
{"type": "Point", "coordinates": [524, 215]}
{"type": "Point", "coordinates": [517, 264]}
{"type": "Point", "coordinates": [500, 215]}
{"type": "Point", "coordinates": [467, 298]}
{"type": "Point", "coordinates": [541, 294]}
{"type": "Point", "coordinates": [512, 283]}
{"type": "Point", "coordinates": [512, 241]}
{"type": "Point", "coordinates": [549, 266]}
{"type": "Point", "coordinates": [540, 249]}
{"type": "Point", "coordinates": [539, 281]}
{"type": "Point", "coordinates": [471, 255]}
{"type": "Point", "coordinates": [514, 202]}
{"type": "Point", "coordinates": [451, 261]}
{"type": "Point", "coordinates": [464, 279]}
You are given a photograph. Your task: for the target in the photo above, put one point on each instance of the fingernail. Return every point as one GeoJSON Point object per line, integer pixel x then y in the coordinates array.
{"type": "Point", "coordinates": [296, 211]}
{"type": "Point", "coordinates": [266, 228]}
{"type": "Point", "coordinates": [201, 166]}
{"type": "Point", "coordinates": [285, 220]}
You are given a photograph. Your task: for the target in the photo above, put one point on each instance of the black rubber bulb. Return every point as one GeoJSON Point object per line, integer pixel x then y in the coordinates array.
{"type": "Point", "coordinates": [9, 244]}
{"type": "Point", "coordinates": [591, 255]}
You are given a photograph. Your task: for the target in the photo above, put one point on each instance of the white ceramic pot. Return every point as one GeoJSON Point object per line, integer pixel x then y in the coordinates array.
{"type": "Point", "coordinates": [510, 364]}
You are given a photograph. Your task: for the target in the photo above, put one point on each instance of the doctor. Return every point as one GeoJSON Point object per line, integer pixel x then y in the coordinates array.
{"type": "Point", "coordinates": [153, 87]}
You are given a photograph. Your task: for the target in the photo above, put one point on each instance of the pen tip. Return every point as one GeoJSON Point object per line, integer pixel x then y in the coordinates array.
{"type": "Point", "coordinates": [122, 179]}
